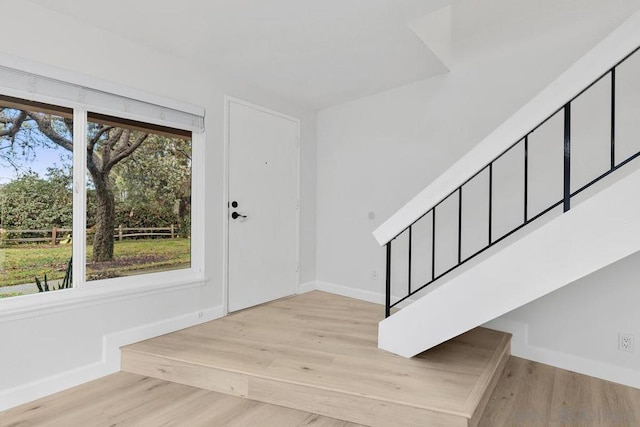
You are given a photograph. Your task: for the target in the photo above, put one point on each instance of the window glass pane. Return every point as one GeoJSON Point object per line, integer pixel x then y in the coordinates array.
{"type": "Point", "coordinates": [36, 152]}
{"type": "Point", "coordinates": [138, 198]}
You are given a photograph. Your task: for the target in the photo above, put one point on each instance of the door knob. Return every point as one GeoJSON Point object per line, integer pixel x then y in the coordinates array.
{"type": "Point", "coordinates": [236, 215]}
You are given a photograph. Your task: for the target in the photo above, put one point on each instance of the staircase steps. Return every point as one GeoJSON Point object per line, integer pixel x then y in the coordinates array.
{"type": "Point", "coordinates": [318, 352]}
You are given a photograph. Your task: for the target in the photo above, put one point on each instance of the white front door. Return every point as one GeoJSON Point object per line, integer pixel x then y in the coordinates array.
{"type": "Point", "coordinates": [263, 205]}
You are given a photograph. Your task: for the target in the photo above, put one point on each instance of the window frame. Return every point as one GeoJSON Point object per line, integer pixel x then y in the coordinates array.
{"type": "Point", "coordinates": [84, 293]}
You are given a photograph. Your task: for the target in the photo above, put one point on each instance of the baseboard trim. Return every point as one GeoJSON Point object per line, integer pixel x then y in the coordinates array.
{"type": "Point", "coordinates": [521, 347]}
{"type": "Point", "coordinates": [110, 362]}
{"type": "Point", "coordinates": [37, 389]}
{"type": "Point", "coordinates": [346, 291]}
{"type": "Point", "coordinates": [113, 342]}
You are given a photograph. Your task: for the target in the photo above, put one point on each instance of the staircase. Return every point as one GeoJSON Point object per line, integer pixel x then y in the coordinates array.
{"type": "Point", "coordinates": [545, 200]}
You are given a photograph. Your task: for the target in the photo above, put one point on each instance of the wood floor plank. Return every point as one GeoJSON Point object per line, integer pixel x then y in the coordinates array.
{"type": "Point", "coordinates": [479, 397]}
{"type": "Point", "coordinates": [534, 394]}
{"type": "Point", "coordinates": [218, 380]}
{"type": "Point", "coordinates": [126, 399]}
{"type": "Point", "coordinates": [527, 394]}
{"type": "Point", "coordinates": [360, 409]}
{"type": "Point", "coordinates": [523, 395]}
{"type": "Point", "coordinates": [571, 399]}
{"type": "Point", "coordinates": [390, 386]}
{"type": "Point", "coordinates": [51, 408]}
{"type": "Point", "coordinates": [327, 342]}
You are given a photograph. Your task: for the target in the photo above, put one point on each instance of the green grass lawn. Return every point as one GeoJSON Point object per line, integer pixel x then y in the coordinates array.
{"type": "Point", "coordinates": [21, 264]}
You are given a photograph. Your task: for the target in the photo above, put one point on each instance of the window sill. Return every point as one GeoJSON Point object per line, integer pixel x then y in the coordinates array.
{"type": "Point", "coordinates": [102, 292]}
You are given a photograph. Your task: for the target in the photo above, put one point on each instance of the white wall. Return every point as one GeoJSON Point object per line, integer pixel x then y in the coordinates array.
{"type": "Point", "coordinates": [577, 327]}
{"type": "Point", "coordinates": [44, 352]}
{"type": "Point", "coordinates": [590, 123]}
{"type": "Point", "coordinates": [376, 153]}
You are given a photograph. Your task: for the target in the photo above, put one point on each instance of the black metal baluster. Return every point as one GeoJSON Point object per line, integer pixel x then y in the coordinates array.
{"type": "Point", "coordinates": [490, 201]}
{"type": "Point", "coordinates": [459, 224]}
{"type": "Point", "coordinates": [433, 243]}
{"type": "Point", "coordinates": [565, 201]}
{"type": "Point", "coordinates": [526, 178]}
{"type": "Point", "coordinates": [567, 157]}
{"type": "Point", "coordinates": [387, 304]}
{"type": "Point", "coordinates": [613, 118]}
{"type": "Point", "coordinates": [410, 239]}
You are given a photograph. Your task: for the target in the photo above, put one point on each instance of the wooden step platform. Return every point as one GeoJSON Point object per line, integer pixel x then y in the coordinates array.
{"type": "Point", "coordinates": [318, 353]}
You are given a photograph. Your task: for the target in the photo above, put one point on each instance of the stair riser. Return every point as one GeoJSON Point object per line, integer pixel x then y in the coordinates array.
{"type": "Point", "coordinates": [333, 404]}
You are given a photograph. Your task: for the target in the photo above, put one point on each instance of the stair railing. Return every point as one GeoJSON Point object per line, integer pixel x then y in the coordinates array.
{"type": "Point", "coordinates": [565, 201]}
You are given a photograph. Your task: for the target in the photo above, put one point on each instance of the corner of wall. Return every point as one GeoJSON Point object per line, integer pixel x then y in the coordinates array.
{"type": "Point", "coordinates": [303, 288]}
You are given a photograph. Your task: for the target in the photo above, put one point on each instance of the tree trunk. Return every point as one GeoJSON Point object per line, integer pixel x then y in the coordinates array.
{"type": "Point", "coordinates": [105, 218]}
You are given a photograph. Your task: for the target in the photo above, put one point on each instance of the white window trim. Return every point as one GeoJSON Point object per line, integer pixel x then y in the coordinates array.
{"type": "Point", "coordinates": [79, 245]}
{"type": "Point", "coordinates": [41, 304]}
{"type": "Point", "coordinates": [109, 290]}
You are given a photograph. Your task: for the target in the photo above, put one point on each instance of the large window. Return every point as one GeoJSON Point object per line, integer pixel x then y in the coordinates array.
{"type": "Point", "coordinates": [36, 212]}
{"type": "Point", "coordinates": [138, 198]}
{"type": "Point", "coordinates": [133, 217]}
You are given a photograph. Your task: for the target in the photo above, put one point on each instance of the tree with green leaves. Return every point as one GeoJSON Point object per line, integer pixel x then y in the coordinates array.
{"type": "Point", "coordinates": [107, 147]}
{"type": "Point", "coordinates": [154, 184]}
{"type": "Point", "coordinates": [33, 203]}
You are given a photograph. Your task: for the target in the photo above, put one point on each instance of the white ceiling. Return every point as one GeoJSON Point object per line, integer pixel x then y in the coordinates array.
{"type": "Point", "coordinates": [315, 53]}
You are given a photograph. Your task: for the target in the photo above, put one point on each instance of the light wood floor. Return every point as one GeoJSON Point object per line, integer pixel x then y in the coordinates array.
{"type": "Point", "coordinates": [527, 394]}
{"type": "Point", "coordinates": [318, 352]}
{"type": "Point", "coordinates": [533, 394]}
{"type": "Point", "coordinates": [125, 399]}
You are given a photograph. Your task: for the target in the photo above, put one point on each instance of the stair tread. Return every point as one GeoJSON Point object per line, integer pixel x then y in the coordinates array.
{"type": "Point", "coordinates": [329, 343]}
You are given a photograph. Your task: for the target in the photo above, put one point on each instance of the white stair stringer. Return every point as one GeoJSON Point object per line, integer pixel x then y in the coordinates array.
{"type": "Point", "coordinates": [598, 232]}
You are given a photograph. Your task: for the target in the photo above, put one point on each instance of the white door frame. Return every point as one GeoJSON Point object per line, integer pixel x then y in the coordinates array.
{"type": "Point", "coordinates": [225, 208]}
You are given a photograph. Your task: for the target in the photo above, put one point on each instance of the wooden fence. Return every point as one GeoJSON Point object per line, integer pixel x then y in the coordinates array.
{"type": "Point", "coordinates": [56, 235]}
